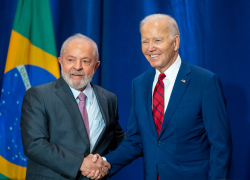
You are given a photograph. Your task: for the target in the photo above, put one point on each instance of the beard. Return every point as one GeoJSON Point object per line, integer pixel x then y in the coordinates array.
{"type": "Point", "coordinates": [77, 83]}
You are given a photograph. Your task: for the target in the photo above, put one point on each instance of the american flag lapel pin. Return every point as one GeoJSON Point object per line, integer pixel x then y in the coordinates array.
{"type": "Point", "coordinates": [183, 80]}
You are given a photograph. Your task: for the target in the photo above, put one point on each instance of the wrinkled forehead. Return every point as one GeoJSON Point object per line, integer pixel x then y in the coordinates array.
{"type": "Point", "coordinates": [155, 28]}
{"type": "Point", "coordinates": [82, 44]}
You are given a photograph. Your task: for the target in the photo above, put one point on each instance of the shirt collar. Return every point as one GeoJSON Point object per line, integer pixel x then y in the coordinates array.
{"type": "Point", "coordinates": [87, 91]}
{"type": "Point", "coordinates": [172, 71]}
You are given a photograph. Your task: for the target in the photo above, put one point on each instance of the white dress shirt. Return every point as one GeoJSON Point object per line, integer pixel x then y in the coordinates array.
{"type": "Point", "coordinates": [96, 122]}
{"type": "Point", "coordinates": [169, 80]}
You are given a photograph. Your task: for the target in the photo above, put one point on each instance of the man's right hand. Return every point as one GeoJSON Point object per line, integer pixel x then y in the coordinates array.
{"type": "Point", "coordinates": [94, 167]}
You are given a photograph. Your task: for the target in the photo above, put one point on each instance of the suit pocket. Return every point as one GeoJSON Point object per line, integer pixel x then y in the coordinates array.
{"type": "Point", "coordinates": [186, 103]}
{"type": "Point", "coordinates": [195, 165]}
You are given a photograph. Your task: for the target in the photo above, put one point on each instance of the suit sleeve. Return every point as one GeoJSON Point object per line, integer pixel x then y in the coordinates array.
{"type": "Point", "coordinates": [131, 148]}
{"type": "Point", "coordinates": [217, 127]}
{"type": "Point", "coordinates": [35, 138]}
{"type": "Point", "coordinates": [119, 134]}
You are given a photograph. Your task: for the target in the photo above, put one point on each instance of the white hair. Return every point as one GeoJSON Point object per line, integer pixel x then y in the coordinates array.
{"type": "Point", "coordinates": [79, 36]}
{"type": "Point", "coordinates": [170, 22]}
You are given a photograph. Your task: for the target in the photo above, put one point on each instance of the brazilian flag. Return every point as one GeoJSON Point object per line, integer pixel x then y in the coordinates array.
{"type": "Point", "coordinates": [31, 61]}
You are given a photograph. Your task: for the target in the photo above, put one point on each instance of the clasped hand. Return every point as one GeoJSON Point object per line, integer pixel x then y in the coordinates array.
{"type": "Point", "coordinates": [94, 167]}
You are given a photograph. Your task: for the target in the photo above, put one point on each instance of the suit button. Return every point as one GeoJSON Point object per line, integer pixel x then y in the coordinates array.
{"type": "Point", "coordinates": [159, 142]}
{"type": "Point", "coordinates": [156, 166]}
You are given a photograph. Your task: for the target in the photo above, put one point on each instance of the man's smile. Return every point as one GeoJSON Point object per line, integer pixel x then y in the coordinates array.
{"type": "Point", "coordinates": [76, 76]}
{"type": "Point", "coordinates": [154, 55]}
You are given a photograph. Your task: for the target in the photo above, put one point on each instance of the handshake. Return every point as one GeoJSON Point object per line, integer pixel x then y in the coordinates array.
{"type": "Point", "coordinates": [94, 167]}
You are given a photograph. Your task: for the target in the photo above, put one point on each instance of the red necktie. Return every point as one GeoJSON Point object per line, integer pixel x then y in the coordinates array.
{"type": "Point", "coordinates": [158, 104]}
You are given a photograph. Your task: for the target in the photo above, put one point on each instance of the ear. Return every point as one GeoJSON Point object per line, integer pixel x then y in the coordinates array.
{"type": "Point", "coordinates": [176, 42]}
{"type": "Point", "coordinates": [60, 60]}
{"type": "Point", "coordinates": [97, 64]}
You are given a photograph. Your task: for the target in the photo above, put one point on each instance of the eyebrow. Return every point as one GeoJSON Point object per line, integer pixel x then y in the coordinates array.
{"type": "Point", "coordinates": [70, 56]}
{"type": "Point", "coordinates": [159, 38]}
{"type": "Point", "coordinates": [85, 58]}
{"type": "Point", "coordinates": [153, 38]}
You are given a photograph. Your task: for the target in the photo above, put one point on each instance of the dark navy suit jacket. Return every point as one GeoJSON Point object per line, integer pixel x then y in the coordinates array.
{"type": "Point", "coordinates": [53, 133]}
{"type": "Point", "coordinates": [195, 140]}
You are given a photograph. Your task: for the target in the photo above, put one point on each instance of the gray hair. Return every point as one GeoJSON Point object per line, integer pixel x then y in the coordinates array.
{"type": "Point", "coordinates": [171, 23]}
{"type": "Point", "coordinates": [80, 37]}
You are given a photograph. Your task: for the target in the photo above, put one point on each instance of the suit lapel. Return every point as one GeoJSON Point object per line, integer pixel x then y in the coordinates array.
{"type": "Point", "coordinates": [148, 81]}
{"type": "Point", "coordinates": [67, 97]}
{"type": "Point", "coordinates": [103, 105]}
{"type": "Point", "coordinates": [179, 88]}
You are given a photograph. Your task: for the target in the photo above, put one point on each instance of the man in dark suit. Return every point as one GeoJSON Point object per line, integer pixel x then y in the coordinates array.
{"type": "Point", "coordinates": [178, 118]}
{"type": "Point", "coordinates": [65, 120]}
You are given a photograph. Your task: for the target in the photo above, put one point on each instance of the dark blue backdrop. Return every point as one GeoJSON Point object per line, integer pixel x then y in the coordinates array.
{"type": "Point", "coordinates": [214, 35]}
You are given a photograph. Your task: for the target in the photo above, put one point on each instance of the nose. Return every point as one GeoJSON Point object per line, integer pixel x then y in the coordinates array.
{"type": "Point", "coordinates": [78, 65]}
{"type": "Point", "coordinates": [151, 46]}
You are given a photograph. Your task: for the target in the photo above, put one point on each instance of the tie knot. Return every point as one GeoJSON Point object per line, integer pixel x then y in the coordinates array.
{"type": "Point", "coordinates": [82, 97]}
{"type": "Point", "coordinates": [161, 76]}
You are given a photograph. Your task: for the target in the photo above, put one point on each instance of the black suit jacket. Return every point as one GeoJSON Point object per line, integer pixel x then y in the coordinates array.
{"type": "Point", "coordinates": [53, 132]}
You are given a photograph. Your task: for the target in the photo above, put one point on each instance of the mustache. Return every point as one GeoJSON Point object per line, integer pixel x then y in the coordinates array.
{"type": "Point", "coordinates": [77, 73]}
